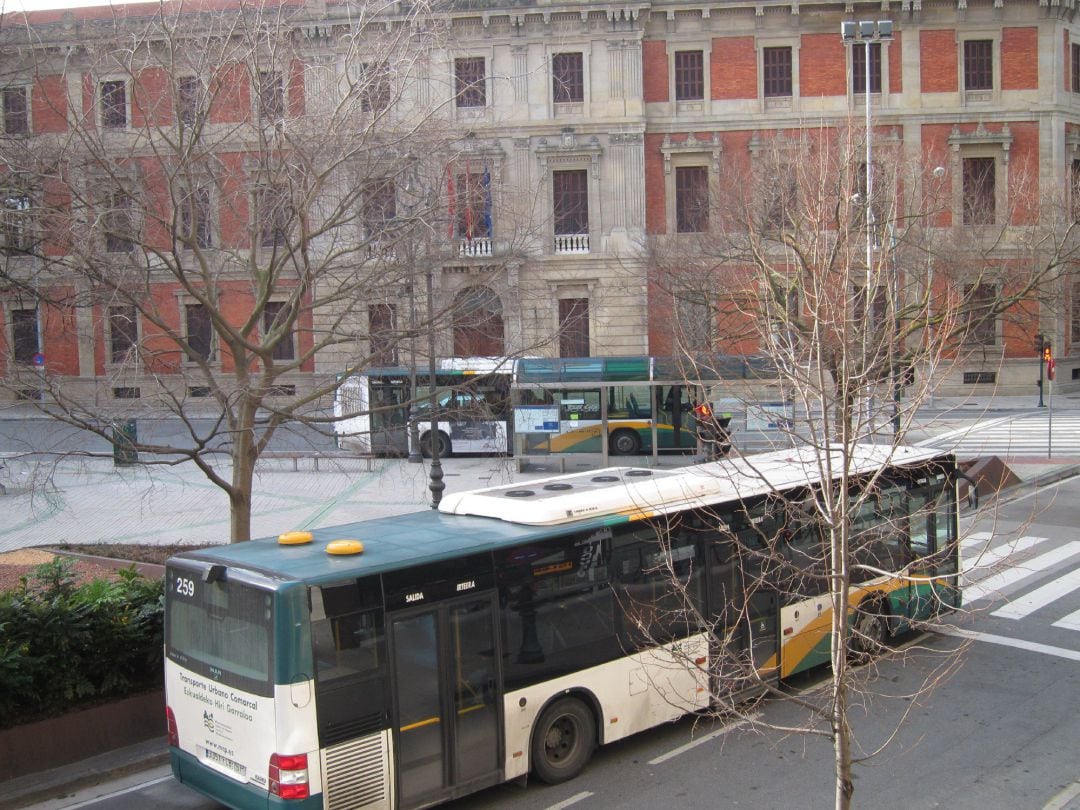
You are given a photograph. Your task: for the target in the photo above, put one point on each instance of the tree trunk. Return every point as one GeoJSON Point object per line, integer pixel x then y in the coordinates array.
{"type": "Point", "coordinates": [243, 472]}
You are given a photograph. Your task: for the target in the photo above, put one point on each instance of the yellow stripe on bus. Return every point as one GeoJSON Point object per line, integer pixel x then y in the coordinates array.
{"type": "Point", "coordinates": [413, 726]}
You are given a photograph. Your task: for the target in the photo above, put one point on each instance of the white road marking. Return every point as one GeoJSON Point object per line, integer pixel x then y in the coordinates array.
{"type": "Point", "coordinates": [1040, 597]}
{"type": "Point", "coordinates": [1005, 641]}
{"type": "Point", "coordinates": [116, 793]}
{"type": "Point", "coordinates": [572, 800]}
{"type": "Point", "coordinates": [993, 584]}
{"type": "Point", "coordinates": [712, 735]}
{"type": "Point", "coordinates": [992, 556]}
{"type": "Point", "coordinates": [975, 538]}
{"type": "Point", "coordinates": [1070, 622]}
{"type": "Point", "coordinates": [1061, 801]}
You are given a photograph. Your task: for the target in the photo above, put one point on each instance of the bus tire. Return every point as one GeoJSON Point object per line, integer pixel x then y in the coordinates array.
{"type": "Point", "coordinates": [563, 740]}
{"type": "Point", "coordinates": [444, 444]}
{"type": "Point", "coordinates": [625, 443]}
{"type": "Point", "coordinates": [869, 631]}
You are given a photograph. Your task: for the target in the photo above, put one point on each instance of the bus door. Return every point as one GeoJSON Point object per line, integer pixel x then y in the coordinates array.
{"type": "Point", "coordinates": [931, 544]}
{"type": "Point", "coordinates": [447, 719]}
{"type": "Point", "coordinates": [746, 615]}
{"type": "Point", "coordinates": [389, 415]}
{"type": "Point", "coordinates": [674, 407]}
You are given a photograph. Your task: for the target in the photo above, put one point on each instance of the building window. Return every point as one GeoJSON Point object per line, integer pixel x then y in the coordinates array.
{"type": "Point", "coordinates": [274, 211]}
{"type": "Point", "coordinates": [858, 67]}
{"type": "Point", "coordinates": [16, 118]}
{"type": "Point", "coordinates": [17, 224]}
{"type": "Point", "coordinates": [200, 333]}
{"type": "Point", "coordinates": [24, 335]}
{"type": "Point", "coordinates": [271, 96]}
{"type": "Point", "coordinates": [118, 220]}
{"type": "Point", "coordinates": [189, 100]}
{"type": "Point", "coordinates": [570, 194]}
{"type": "Point", "coordinates": [567, 78]}
{"type": "Point", "coordinates": [776, 65]}
{"type": "Point", "coordinates": [1075, 66]}
{"type": "Point", "coordinates": [879, 308]}
{"type": "Point", "coordinates": [382, 340]}
{"type": "Point", "coordinates": [478, 323]}
{"type": "Point", "coordinates": [378, 208]}
{"type": "Point", "coordinates": [113, 98]}
{"type": "Point", "coordinates": [980, 300]}
{"type": "Point", "coordinates": [275, 315]}
{"type": "Point", "coordinates": [472, 206]}
{"type": "Point", "coordinates": [691, 199]}
{"type": "Point", "coordinates": [979, 191]}
{"type": "Point", "coordinates": [123, 332]}
{"type": "Point", "coordinates": [573, 327]}
{"type": "Point", "coordinates": [374, 86]}
{"type": "Point", "coordinates": [1074, 189]}
{"type": "Point", "coordinates": [1074, 315]}
{"type": "Point", "coordinates": [470, 82]}
{"type": "Point", "coordinates": [195, 218]}
{"type": "Point", "coordinates": [978, 64]}
{"type": "Point", "coordinates": [689, 75]}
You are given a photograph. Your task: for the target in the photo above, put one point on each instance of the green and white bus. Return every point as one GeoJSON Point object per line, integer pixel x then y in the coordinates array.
{"type": "Point", "coordinates": [403, 661]}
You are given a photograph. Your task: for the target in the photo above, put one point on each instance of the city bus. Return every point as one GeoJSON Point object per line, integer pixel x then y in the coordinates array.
{"type": "Point", "coordinates": [374, 407]}
{"type": "Point", "coordinates": [400, 662]}
{"type": "Point", "coordinates": [561, 404]}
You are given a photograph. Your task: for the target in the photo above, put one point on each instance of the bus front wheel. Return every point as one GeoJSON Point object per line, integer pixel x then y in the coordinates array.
{"type": "Point", "coordinates": [443, 445]}
{"type": "Point", "coordinates": [625, 443]}
{"type": "Point", "coordinates": [563, 741]}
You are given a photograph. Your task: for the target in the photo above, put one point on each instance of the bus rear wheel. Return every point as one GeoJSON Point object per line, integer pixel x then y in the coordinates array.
{"type": "Point", "coordinates": [869, 631]}
{"type": "Point", "coordinates": [443, 445]}
{"type": "Point", "coordinates": [563, 741]}
{"type": "Point", "coordinates": [625, 443]}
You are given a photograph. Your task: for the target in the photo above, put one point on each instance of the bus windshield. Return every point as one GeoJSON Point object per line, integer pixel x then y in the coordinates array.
{"type": "Point", "coordinates": [219, 629]}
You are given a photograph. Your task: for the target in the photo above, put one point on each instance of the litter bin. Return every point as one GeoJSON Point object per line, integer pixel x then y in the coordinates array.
{"type": "Point", "coordinates": [124, 437]}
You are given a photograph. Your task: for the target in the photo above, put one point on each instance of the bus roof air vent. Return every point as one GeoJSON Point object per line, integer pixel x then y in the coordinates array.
{"type": "Point", "coordinates": [638, 473]}
{"type": "Point", "coordinates": [558, 487]}
{"type": "Point", "coordinates": [344, 547]}
{"type": "Point", "coordinates": [294, 538]}
{"type": "Point", "coordinates": [520, 493]}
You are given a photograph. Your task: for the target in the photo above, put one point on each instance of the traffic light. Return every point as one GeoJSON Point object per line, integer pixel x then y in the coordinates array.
{"type": "Point", "coordinates": [1048, 355]}
{"type": "Point", "coordinates": [1039, 340]}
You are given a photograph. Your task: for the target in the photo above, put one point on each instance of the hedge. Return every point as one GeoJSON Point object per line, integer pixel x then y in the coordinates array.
{"type": "Point", "coordinates": [64, 645]}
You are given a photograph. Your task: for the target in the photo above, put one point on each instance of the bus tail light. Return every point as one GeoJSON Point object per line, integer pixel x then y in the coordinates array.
{"type": "Point", "coordinates": [289, 776]}
{"type": "Point", "coordinates": [170, 720]}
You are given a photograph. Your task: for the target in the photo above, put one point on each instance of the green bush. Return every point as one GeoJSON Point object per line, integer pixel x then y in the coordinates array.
{"type": "Point", "coordinates": [63, 645]}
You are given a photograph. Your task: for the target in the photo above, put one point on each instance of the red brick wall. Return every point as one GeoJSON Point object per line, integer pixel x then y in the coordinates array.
{"type": "Point", "coordinates": [49, 106]}
{"type": "Point", "coordinates": [822, 66]}
{"type": "Point", "coordinates": [230, 95]}
{"type": "Point", "coordinates": [655, 190]}
{"type": "Point", "coordinates": [654, 70]}
{"type": "Point", "coordinates": [733, 70]}
{"type": "Point", "coordinates": [937, 54]}
{"type": "Point", "coordinates": [151, 98]}
{"type": "Point", "coordinates": [1019, 59]}
{"type": "Point", "coordinates": [1024, 172]}
{"type": "Point", "coordinates": [296, 89]}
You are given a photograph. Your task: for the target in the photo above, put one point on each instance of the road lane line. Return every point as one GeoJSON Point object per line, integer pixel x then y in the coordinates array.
{"type": "Point", "coordinates": [1061, 801]}
{"type": "Point", "coordinates": [1040, 597]}
{"type": "Point", "coordinates": [975, 538]}
{"type": "Point", "coordinates": [116, 793]}
{"type": "Point", "coordinates": [572, 800]}
{"type": "Point", "coordinates": [712, 735]}
{"type": "Point", "coordinates": [1005, 641]}
{"type": "Point", "coordinates": [994, 583]}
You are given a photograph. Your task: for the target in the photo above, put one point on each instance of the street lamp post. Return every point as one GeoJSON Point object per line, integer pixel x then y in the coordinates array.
{"type": "Point", "coordinates": [436, 473]}
{"type": "Point", "coordinates": [869, 32]}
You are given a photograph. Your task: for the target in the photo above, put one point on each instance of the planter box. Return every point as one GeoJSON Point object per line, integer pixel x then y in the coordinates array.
{"type": "Point", "coordinates": [82, 734]}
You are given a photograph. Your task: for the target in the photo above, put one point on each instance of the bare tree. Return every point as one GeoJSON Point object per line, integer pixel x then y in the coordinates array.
{"type": "Point", "coordinates": [853, 298]}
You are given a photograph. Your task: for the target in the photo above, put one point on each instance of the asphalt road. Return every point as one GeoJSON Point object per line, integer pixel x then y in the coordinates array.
{"type": "Point", "coordinates": [997, 730]}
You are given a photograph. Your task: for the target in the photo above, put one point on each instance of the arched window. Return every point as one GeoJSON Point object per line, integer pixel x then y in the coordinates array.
{"type": "Point", "coordinates": [478, 323]}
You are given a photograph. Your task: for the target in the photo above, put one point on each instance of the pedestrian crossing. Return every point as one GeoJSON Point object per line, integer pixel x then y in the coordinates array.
{"type": "Point", "coordinates": [1004, 572]}
{"type": "Point", "coordinates": [1034, 434]}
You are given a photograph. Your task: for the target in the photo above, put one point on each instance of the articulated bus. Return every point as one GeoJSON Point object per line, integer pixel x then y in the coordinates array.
{"type": "Point", "coordinates": [400, 662]}
{"type": "Point", "coordinates": [561, 404]}
{"type": "Point", "coordinates": [374, 407]}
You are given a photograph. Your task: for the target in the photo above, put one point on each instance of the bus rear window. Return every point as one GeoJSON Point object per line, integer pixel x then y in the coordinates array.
{"type": "Point", "coordinates": [219, 629]}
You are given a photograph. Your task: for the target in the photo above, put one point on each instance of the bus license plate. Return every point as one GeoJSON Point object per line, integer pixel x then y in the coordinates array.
{"type": "Point", "coordinates": [222, 761]}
